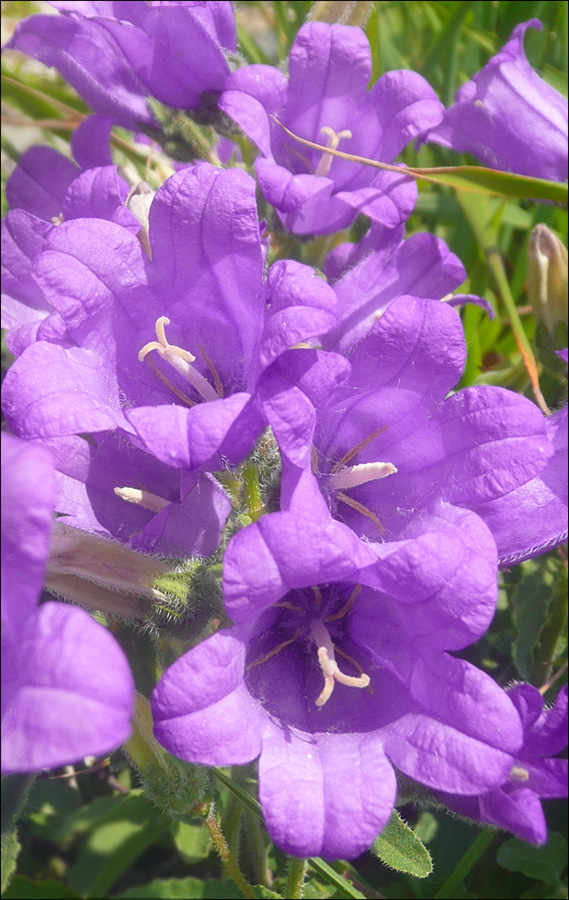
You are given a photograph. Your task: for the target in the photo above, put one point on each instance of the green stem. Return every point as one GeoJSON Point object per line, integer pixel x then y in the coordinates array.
{"type": "Point", "coordinates": [468, 861]}
{"type": "Point", "coordinates": [255, 507]}
{"type": "Point", "coordinates": [226, 857]}
{"type": "Point", "coordinates": [296, 872]}
{"type": "Point", "coordinates": [15, 792]}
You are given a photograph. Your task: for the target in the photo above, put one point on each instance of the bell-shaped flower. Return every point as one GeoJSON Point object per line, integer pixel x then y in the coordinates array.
{"type": "Point", "coordinates": [167, 349]}
{"type": "Point", "coordinates": [67, 689]}
{"type": "Point", "coordinates": [116, 55]}
{"type": "Point", "coordinates": [336, 671]}
{"type": "Point", "coordinates": [509, 117]}
{"type": "Point", "coordinates": [325, 100]}
{"type": "Point", "coordinates": [387, 438]}
{"type": "Point", "coordinates": [537, 772]}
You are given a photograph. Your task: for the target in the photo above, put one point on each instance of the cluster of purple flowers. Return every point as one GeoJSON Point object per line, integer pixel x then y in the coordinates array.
{"type": "Point", "coordinates": [156, 347]}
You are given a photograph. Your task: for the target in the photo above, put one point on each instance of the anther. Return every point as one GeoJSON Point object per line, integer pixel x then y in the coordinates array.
{"type": "Point", "coordinates": [352, 476]}
{"type": "Point", "coordinates": [142, 498]}
{"type": "Point", "coordinates": [334, 139]}
{"type": "Point", "coordinates": [179, 358]}
{"type": "Point", "coordinates": [518, 773]}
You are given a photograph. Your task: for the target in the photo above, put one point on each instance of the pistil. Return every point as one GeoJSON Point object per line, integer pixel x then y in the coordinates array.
{"type": "Point", "coordinates": [142, 498]}
{"type": "Point", "coordinates": [329, 666]}
{"type": "Point", "coordinates": [352, 476]}
{"type": "Point", "coordinates": [334, 139]}
{"type": "Point", "coordinates": [180, 359]}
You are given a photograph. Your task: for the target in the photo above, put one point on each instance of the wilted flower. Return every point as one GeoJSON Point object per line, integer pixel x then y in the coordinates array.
{"type": "Point", "coordinates": [508, 116]}
{"type": "Point", "coordinates": [515, 805]}
{"type": "Point", "coordinates": [67, 690]}
{"type": "Point", "coordinates": [171, 51]}
{"type": "Point", "coordinates": [325, 100]}
{"type": "Point", "coordinates": [336, 670]}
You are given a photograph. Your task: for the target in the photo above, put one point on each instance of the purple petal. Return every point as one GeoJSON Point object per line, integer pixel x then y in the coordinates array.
{"type": "Point", "coordinates": [533, 518]}
{"type": "Point", "coordinates": [90, 142]}
{"type": "Point", "coordinates": [460, 730]}
{"type": "Point", "coordinates": [509, 117]}
{"type": "Point", "coordinates": [302, 789]}
{"type": "Point", "coordinates": [207, 263]}
{"type": "Point", "coordinates": [201, 708]}
{"type": "Point", "coordinates": [28, 493]}
{"type": "Point", "coordinates": [204, 437]}
{"type": "Point", "coordinates": [40, 180]}
{"type": "Point", "coordinates": [99, 193]}
{"type": "Point", "coordinates": [72, 693]}
{"type": "Point", "coordinates": [422, 266]}
{"type": "Point", "coordinates": [91, 61]}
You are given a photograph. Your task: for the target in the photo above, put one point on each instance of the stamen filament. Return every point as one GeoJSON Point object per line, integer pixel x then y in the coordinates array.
{"type": "Point", "coordinates": [169, 384]}
{"type": "Point", "coordinates": [346, 607]}
{"type": "Point", "coordinates": [355, 450]}
{"type": "Point", "coordinates": [359, 507]}
{"type": "Point", "coordinates": [142, 498]}
{"type": "Point", "coordinates": [334, 139]}
{"type": "Point", "coordinates": [179, 358]}
{"type": "Point", "coordinates": [286, 605]}
{"type": "Point", "coordinates": [274, 651]}
{"type": "Point", "coordinates": [317, 596]}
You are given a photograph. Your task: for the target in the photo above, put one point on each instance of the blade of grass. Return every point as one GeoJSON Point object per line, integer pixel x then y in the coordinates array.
{"type": "Point", "coordinates": [474, 179]}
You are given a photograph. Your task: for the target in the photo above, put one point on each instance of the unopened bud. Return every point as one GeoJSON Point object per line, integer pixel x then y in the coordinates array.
{"type": "Point", "coordinates": [547, 277]}
{"type": "Point", "coordinates": [139, 201]}
{"type": "Point", "coordinates": [100, 574]}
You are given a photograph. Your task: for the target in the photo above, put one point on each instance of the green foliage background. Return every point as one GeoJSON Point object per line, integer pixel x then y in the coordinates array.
{"type": "Point", "coordinates": [93, 833]}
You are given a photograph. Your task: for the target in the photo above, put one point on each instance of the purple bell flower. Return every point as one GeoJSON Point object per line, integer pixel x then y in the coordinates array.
{"type": "Point", "coordinates": [325, 100]}
{"type": "Point", "coordinates": [67, 689]}
{"type": "Point", "coordinates": [336, 671]}
{"type": "Point", "coordinates": [509, 117]}
{"type": "Point", "coordinates": [388, 443]}
{"type": "Point", "coordinates": [168, 350]}
{"type": "Point", "coordinates": [117, 54]}
{"type": "Point", "coordinates": [515, 805]}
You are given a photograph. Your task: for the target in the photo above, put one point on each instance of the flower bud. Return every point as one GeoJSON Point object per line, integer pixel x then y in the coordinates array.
{"type": "Point", "coordinates": [547, 277]}
{"type": "Point", "coordinates": [100, 574]}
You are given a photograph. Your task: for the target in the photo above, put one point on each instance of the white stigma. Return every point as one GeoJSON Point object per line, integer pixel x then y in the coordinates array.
{"type": "Point", "coordinates": [351, 476]}
{"type": "Point", "coordinates": [180, 360]}
{"type": "Point", "coordinates": [334, 139]}
{"type": "Point", "coordinates": [329, 666]}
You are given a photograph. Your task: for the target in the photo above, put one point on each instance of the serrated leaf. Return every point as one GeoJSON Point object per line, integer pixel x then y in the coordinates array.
{"type": "Point", "coordinates": [399, 848]}
{"type": "Point", "coordinates": [545, 863]}
{"type": "Point", "coordinates": [184, 889]}
{"type": "Point", "coordinates": [38, 890]}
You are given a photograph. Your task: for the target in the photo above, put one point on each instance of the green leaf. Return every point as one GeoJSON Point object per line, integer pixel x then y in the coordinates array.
{"type": "Point", "coordinates": [545, 863]}
{"type": "Point", "coordinates": [10, 850]}
{"type": "Point", "coordinates": [399, 848]}
{"type": "Point", "coordinates": [38, 890]}
{"type": "Point", "coordinates": [193, 841]}
{"type": "Point", "coordinates": [184, 889]}
{"type": "Point", "coordinates": [114, 843]}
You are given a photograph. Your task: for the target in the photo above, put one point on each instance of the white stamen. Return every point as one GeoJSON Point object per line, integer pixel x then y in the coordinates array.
{"type": "Point", "coordinates": [351, 476]}
{"type": "Point", "coordinates": [518, 773]}
{"type": "Point", "coordinates": [329, 666]}
{"type": "Point", "coordinates": [334, 139]}
{"type": "Point", "coordinates": [178, 358]}
{"type": "Point", "coordinates": [142, 498]}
